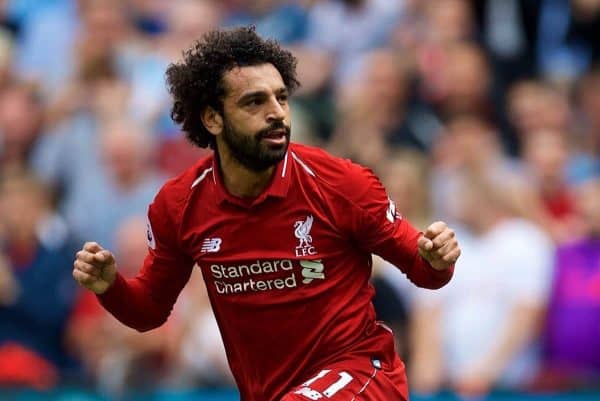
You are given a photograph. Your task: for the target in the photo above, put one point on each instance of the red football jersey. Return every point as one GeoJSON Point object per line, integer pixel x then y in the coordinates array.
{"type": "Point", "coordinates": [287, 272]}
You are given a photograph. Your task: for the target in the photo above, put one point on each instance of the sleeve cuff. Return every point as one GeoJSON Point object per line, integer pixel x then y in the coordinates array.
{"type": "Point", "coordinates": [113, 294]}
{"type": "Point", "coordinates": [442, 276]}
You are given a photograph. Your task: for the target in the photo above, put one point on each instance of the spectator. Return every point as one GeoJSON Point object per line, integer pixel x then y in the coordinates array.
{"type": "Point", "coordinates": [571, 345]}
{"type": "Point", "coordinates": [466, 78]}
{"type": "Point", "coordinates": [20, 124]}
{"type": "Point", "coordinates": [127, 180]}
{"type": "Point", "coordinates": [54, 34]}
{"type": "Point", "coordinates": [509, 30]}
{"type": "Point", "coordinates": [379, 106]}
{"type": "Point", "coordinates": [338, 35]}
{"type": "Point", "coordinates": [546, 155]}
{"type": "Point", "coordinates": [534, 105]}
{"type": "Point", "coordinates": [587, 102]}
{"type": "Point", "coordinates": [443, 25]}
{"type": "Point", "coordinates": [37, 288]}
{"type": "Point", "coordinates": [472, 146]}
{"type": "Point", "coordinates": [479, 333]}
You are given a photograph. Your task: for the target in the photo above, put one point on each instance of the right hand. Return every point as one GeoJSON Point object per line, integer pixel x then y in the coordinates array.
{"type": "Point", "coordinates": [94, 268]}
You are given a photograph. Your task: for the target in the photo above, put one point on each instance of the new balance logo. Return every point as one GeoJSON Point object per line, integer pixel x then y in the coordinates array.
{"type": "Point", "coordinates": [211, 245]}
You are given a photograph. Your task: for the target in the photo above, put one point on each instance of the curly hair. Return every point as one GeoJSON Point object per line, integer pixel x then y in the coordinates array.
{"type": "Point", "coordinates": [197, 81]}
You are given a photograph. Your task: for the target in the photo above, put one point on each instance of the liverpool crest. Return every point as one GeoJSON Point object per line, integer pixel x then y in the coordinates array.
{"type": "Point", "coordinates": [302, 232]}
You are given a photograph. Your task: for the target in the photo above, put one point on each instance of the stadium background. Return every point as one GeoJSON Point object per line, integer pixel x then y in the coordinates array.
{"type": "Point", "coordinates": [483, 113]}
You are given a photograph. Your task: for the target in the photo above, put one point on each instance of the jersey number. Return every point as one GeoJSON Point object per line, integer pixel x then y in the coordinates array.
{"type": "Point", "coordinates": [305, 390]}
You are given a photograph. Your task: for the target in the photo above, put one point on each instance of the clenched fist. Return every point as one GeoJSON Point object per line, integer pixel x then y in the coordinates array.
{"type": "Point", "coordinates": [439, 246]}
{"type": "Point", "coordinates": [94, 268]}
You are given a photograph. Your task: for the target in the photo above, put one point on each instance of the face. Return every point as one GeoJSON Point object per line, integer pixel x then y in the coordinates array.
{"type": "Point", "coordinates": [22, 205]}
{"type": "Point", "coordinates": [256, 117]}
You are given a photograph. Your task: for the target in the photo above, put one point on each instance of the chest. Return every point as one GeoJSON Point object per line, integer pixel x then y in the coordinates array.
{"type": "Point", "coordinates": [300, 226]}
{"type": "Point", "coordinates": [287, 248]}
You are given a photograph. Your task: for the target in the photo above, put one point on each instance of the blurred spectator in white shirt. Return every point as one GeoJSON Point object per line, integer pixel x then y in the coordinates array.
{"type": "Point", "coordinates": [480, 331]}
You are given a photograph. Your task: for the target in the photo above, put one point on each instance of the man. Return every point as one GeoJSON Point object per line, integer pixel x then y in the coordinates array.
{"type": "Point", "coordinates": [283, 235]}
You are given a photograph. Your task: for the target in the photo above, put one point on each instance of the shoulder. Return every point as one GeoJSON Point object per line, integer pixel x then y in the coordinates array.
{"type": "Point", "coordinates": [330, 169]}
{"type": "Point", "coordinates": [346, 178]}
{"type": "Point", "coordinates": [174, 193]}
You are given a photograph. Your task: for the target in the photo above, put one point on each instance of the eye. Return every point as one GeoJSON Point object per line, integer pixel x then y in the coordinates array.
{"type": "Point", "coordinates": [283, 98]}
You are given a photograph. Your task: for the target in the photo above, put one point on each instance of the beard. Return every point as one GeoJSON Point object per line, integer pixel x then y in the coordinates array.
{"type": "Point", "coordinates": [251, 151]}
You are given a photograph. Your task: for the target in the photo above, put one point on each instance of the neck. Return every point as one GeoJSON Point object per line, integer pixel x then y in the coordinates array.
{"type": "Point", "coordinates": [239, 180]}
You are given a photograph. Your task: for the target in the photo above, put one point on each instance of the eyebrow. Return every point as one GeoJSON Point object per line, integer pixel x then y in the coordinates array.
{"type": "Point", "coordinates": [246, 96]}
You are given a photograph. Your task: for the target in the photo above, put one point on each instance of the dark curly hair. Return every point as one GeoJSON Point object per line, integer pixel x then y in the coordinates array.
{"type": "Point", "coordinates": [197, 81]}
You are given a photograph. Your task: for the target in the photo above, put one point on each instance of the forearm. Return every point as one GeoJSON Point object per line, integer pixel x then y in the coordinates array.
{"type": "Point", "coordinates": [423, 275]}
{"type": "Point", "coordinates": [402, 251]}
{"type": "Point", "coordinates": [132, 303]}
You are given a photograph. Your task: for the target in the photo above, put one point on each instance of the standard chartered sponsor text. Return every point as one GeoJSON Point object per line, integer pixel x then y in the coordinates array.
{"type": "Point", "coordinates": [222, 274]}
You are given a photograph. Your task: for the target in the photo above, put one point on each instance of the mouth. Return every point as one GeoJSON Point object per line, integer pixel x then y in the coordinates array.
{"type": "Point", "coordinates": [275, 137]}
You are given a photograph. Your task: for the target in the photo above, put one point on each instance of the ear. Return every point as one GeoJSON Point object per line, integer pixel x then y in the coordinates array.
{"type": "Point", "coordinates": [212, 120]}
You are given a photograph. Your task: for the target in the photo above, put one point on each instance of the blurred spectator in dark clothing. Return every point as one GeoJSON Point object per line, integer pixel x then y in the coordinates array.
{"type": "Point", "coordinates": [509, 31]}
{"type": "Point", "coordinates": [468, 82]}
{"type": "Point", "coordinates": [461, 84]}
{"type": "Point", "coordinates": [378, 107]}
{"type": "Point", "coordinates": [584, 29]}
{"type": "Point", "coordinates": [571, 341]}
{"type": "Point", "coordinates": [36, 254]}
{"type": "Point", "coordinates": [20, 124]}
{"type": "Point", "coordinates": [444, 24]}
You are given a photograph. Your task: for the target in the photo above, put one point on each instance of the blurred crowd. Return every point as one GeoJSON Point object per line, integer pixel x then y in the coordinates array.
{"type": "Point", "coordinates": [482, 113]}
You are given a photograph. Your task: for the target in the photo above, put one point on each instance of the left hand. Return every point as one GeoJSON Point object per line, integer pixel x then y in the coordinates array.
{"type": "Point", "coordinates": [438, 246]}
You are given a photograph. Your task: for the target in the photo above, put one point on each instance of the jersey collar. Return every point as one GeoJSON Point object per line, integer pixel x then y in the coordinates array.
{"type": "Point", "coordinates": [277, 188]}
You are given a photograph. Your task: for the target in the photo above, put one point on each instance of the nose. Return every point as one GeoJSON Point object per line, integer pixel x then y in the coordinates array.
{"type": "Point", "coordinates": [276, 111]}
